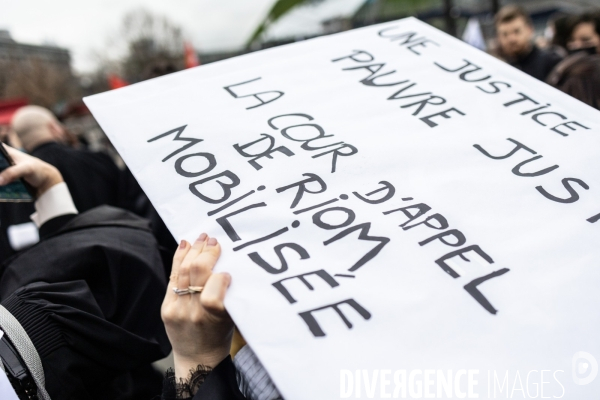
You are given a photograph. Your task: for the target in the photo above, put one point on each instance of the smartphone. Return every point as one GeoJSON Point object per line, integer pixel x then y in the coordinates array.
{"type": "Point", "coordinates": [17, 191]}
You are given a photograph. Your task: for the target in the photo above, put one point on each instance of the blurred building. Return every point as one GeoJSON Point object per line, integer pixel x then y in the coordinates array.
{"type": "Point", "coordinates": [40, 74]}
{"type": "Point", "coordinates": [10, 50]}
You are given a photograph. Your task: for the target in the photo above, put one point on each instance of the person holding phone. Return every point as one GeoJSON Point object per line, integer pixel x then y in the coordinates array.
{"type": "Point", "coordinates": [17, 232]}
{"type": "Point", "coordinates": [79, 314]}
{"type": "Point", "coordinates": [93, 179]}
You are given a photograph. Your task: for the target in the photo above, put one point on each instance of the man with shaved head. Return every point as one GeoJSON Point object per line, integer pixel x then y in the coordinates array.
{"type": "Point", "coordinates": [35, 126]}
{"type": "Point", "coordinates": [93, 178]}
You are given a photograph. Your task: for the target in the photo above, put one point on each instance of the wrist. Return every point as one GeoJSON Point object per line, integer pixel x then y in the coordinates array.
{"type": "Point", "coordinates": [52, 178]}
{"type": "Point", "coordinates": [175, 388]}
{"type": "Point", "coordinates": [183, 365]}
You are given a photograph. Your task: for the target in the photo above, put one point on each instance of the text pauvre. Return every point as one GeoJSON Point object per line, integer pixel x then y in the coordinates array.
{"type": "Point", "coordinates": [386, 198]}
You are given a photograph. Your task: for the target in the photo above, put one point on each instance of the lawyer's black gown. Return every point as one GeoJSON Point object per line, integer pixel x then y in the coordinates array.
{"type": "Point", "coordinates": [93, 180]}
{"type": "Point", "coordinates": [12, 214]}
{"type": "Point", "coordinates": [89, 297]}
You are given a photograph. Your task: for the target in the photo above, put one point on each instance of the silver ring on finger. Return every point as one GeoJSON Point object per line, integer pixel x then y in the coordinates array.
{"type": "Point", "coordinates": [181, 292]}
{"type": "Point", "coordinates": [195, 289]}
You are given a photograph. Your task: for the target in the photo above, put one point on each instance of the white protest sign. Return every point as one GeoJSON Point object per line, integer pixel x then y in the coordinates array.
{"type": "Point", "coordinates": [6, 390]}
{"type": "Point", "coordinates": [401, 213]}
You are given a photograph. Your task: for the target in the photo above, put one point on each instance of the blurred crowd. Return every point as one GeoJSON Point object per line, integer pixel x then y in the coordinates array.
{"type": "Point", "coordinates": [94, 289]}
{"type": "Point", "coordinates": [566, 57]}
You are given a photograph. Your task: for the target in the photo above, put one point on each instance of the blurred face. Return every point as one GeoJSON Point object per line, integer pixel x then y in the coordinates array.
{"type": "Point", "coordinates": [584, 35]}
{"type": "Point", "coordinates": [514, 37]}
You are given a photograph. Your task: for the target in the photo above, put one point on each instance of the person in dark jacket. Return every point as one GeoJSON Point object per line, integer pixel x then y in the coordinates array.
{"type": "Point", "coordinates": [578, 75]}
{"type": "Point", "coordinates": [79, 310]}
{"type": "Point", "coordinates": [584, 34]}
{"type": "Point", "coordinates": [93, 179]}
{"type": "Point", "coordinates": [514, 34]}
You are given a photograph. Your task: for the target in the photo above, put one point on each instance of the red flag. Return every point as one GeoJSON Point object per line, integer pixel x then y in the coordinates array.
{"type": "Point", "coordinates": [115, 82]}
{"type": "Point", "coordinates": [191, 58]}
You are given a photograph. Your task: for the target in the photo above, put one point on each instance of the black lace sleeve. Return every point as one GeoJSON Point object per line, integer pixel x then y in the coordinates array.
{"type": "Point", "coordinates": [184, 389]}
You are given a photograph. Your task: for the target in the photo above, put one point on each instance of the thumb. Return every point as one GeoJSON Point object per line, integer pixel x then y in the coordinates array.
{"type": "Point", "coordinates": [213, 295]}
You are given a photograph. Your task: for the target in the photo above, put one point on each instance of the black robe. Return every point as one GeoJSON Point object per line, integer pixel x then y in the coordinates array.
{"type": "Point", "coordinates": [220, 384]}
{"type": "Point", "coordinates": [89, 296]}
{"type": "Point", "coordinates": [94, 180]}
{"type": "Point", "coordinates": [12, 214]}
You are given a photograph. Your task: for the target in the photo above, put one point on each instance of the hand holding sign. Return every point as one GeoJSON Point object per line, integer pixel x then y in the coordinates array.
{"type": "Point", "coordinates": [198, 326]}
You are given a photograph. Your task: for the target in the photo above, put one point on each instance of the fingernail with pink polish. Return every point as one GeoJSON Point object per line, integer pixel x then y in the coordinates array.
{"type": "Point", "coordinates": [182, 244]}
{"type": "Point", "coordinates": [212, 241]}
{"type": "Point", "coordinates": [202, 237]}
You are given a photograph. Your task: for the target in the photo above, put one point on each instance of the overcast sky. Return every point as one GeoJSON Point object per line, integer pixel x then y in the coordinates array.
{"type": "Point", "coordinates": [85, 25]}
